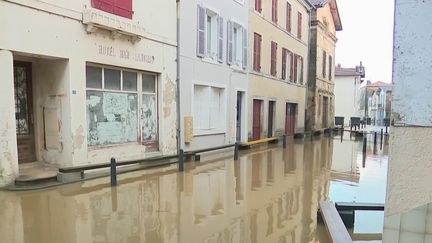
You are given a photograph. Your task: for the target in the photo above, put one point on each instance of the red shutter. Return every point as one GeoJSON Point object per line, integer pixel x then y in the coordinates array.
{"type": "Point", "coordinates": [273, 58]}
{"type": "Point", "coordinates": [292, 67]}
{"type": "Point", "coordinates": [274, 10]}
{"type": "Point", "coordinates": [284, 57]}
{"type": "Point", "coordinates": [295, 69]}
{"type": "Point", "coordinates": [123, 8]}
{"type": "Point", "coordinates": [201, 31]}
{"type": "Point", "coordinates": [288, 17]}
{"type": "Point", "coordinates": [104, 5]}
{"type": "Point", "coordinates": [299, 25]}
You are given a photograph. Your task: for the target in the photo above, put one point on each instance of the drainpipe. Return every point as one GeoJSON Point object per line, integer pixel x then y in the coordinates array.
{"type": "Point", "coordinates": [310, 9]}
{"type": "Point", "coordinates": [178, 133]}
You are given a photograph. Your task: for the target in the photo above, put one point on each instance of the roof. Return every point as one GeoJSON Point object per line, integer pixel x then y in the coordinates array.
{"type": "Point", "coordinates": [379, 84]}
{"type": "Point", "coordinates": [333, 8]}
{"type": "Point", "coordinates": [340, 71]}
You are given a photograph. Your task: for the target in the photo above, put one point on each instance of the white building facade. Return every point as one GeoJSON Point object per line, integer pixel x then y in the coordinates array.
{"type": "Point", "coordinates": [86, 80]}
{"type": "Point", "coordinates": [213, 72]}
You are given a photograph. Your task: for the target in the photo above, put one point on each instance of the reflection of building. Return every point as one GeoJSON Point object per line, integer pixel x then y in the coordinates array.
{"type": "Point", "coordinates": [278, 40]}
{"type": "Point", "coordinates": [95, 80]}
{"type": "Point", "coordinates": [348, 100]}
{"type": "Point", "coordinates": [325, 21]}
{"type": "Point", "coordinates": [409, 191]}
{"type": "Point", "coordinates": [379, 102]}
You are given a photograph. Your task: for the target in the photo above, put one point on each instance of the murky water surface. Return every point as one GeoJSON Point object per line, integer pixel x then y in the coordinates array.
{"type": "Point", "coordinates": [269, 195]}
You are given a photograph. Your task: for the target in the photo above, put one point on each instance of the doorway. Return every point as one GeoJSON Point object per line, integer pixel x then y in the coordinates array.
{"type": "Point", "coordinates": [256, 121]}
{"type": "Point", "coordinates": [290, 119]}
{"type": "Point", "coordinates": [24, 118]}
{"type": "Point", "coordinates": [325, 112]}
{"type": "Point", "coordinates": [239, 114]}
{"type": "Point", "coordinates": [270, 118]}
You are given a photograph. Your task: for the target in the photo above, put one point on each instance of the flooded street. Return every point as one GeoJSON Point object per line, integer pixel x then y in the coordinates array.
{"type": "Point", "coordinates": [269, 195]}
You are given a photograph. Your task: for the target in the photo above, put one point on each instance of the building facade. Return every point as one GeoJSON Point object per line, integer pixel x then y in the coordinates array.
{"type": "Point", "coordinates": [379, 102]}
{"type": "Point", "coordinates": [85, 81]}
{"type": "Point", "coordinates": [325, 21]}
{"type": "Point", "coordinates": [213, 72]}
{"type": "Point", "coordinates": [347, 90]}
{"type": "Point", "coordinates": [408, 207]}
{"type": "Point", "coordinates": [279, 35]}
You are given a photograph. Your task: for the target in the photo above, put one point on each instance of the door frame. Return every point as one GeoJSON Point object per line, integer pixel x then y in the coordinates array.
{"type": "Point", "coordinates": [243, 115]}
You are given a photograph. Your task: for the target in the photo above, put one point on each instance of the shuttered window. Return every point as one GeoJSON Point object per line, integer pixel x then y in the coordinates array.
{"type": "Point", "coordinates": [201, 35]}
{"type": "Point", "coordinates": [121, 8]}
{"type": "Point", "coordinates": [257, 52]}
{"type": "Point", "coordinates": [330, 67]}
{"type": "Point", "coordinates": [220, 38]}
{"type": "Point", "coordinates": [324, 60]}
{"type": "Point", "coordinates": [284, 63]}
{"type": "Point", "coordinates": [299, 25]}
{"type": "Point", "coordinates": [258, 6]}
{"type": "Point", "coordinates": [295, 67]}
{"type": "Point", "coordinates": [288, 17]}
{"type": "Point", "coordinates": [274, 11]}
{"type": "Point", "coordinates": [292, 67]}
{"type": "Point", "coordinates": [273, 58]}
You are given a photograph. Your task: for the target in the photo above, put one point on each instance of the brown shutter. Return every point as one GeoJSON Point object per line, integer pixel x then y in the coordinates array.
{"type": "Point", "coordinates": [274, 11]}
{"type": "Point", "coordinates": [295, 69]}
{"type": "Point", "coordinates": [301, 70]}
{"type": "Point", "coordinates": [258, 6]}
{"type": "Point", "coordinates": [288, 17]}
{"type": "Point", "coordinates": [273, 62]}
{"type": "Point", "coordinates": [292, 67]}
{"type": "Point", "coordinates": [284, 56]}
{"type": "Point", "coordinates": [299, 25]}
{"type": "Point", "coordinates": [230, 45]}
{"type": "Point", "coordinates": [220, 39]}
{"type": "Point", "coordinates": [259, 53]}
{"type": "Point", "coordinates": [201, 31]}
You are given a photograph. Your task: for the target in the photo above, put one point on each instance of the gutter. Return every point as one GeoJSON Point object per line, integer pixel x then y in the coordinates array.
{"type": "Point", "coordinates": [178, 133]}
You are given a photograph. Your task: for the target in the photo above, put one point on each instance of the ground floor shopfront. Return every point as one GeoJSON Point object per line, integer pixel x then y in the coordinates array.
{"type": "Point", "coordinates": [73, 98]}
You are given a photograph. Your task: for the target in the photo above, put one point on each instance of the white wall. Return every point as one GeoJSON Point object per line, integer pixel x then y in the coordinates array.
{"type": "Point", "coordinates": [347, 96]}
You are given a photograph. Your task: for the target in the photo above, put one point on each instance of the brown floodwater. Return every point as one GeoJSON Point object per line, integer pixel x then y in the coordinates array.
{"type": "Point", "coordinates": [270, 195]}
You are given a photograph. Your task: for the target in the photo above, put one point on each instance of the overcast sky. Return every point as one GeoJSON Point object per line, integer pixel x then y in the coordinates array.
{"type": "Point", "coordinates": [367, 36]}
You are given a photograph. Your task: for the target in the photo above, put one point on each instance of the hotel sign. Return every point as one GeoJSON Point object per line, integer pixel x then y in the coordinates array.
{"type": "Point", "coordinates": [125, 54]}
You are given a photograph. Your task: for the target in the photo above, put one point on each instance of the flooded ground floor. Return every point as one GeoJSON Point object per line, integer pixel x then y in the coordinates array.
{"type": "Point", "coordinates": [270, 195]}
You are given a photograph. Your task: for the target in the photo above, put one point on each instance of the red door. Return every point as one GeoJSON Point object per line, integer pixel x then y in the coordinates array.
{"type": "Point", "coordinates": [325, 112]}
{"type": "Point", "coordinates": [290, 119]}
{"type": "Point", "coordinates": [256, 122]}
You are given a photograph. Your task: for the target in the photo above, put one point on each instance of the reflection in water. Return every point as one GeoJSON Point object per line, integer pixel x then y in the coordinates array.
{"type": "Point", "coordinates": [269, 195]}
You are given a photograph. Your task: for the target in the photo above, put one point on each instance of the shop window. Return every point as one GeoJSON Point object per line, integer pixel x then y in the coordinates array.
{"type": "Point", "coordinates": [114, 105]}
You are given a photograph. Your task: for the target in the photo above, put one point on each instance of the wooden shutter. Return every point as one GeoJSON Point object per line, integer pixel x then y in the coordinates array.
{"type": "Point", "coordinates": [257, 53]}
{"type": "Point", "coordinates": [295, 68]}
{"type": "Point", "coordinates": [274, 11]}
{"type": "Point", "coordinates": [299, 25]}
{"type": "Point", "coordinates": [330, 67]}
{"type": "Point", "coordinates": [104, 5]}
{"type": "Point", "coordinates": [123, 8]}
{"type": "Point", "coordinates": [245, 50]}
{"type": "Point", "coordinates": [273, 58]}
{"type": "Point", "coordinates": [230, 45]}
{"type": "Point", "coordinates": [324, 64]}
{"type": "Point", "coordinates": [201, 17]}
{"type": "Point", "coordinates": [291, 66]}
{"type": "Point", "coordinates": [288, 17]}
{"type": "Point", "coordinates": [301, 69]}
{"type": "Point", "coordinates": [258, 6]}
{"type": "Point", "coordinates": [220, 38]}
{"type": "Point", "coordinates": [284, 57]}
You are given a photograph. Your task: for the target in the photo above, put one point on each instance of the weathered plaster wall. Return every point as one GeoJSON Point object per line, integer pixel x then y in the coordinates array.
{"type": "Point", "coordinates": [8, 147]}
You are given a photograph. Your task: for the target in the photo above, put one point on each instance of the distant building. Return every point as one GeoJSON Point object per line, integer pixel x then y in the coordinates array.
{"type": "Point", "coordinates": [325, 21]}
{"type": "Point", "coordinates": [279, 37]}
{"type": "Point", "coordinates": [348, 98]}
{"type": "Point", "coordinates": [379, 102]}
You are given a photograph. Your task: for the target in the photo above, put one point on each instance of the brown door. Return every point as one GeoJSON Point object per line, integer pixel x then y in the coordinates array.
{"type": "Point", "coordinates": [325, 112]}
{"type": "Point", "coordinates": [270, 119]}
{"type": "Point", "coordinates": [256, 122]}
{"type": "Point", "coordinates": [24, 112]}
{"type": "Point", "coordinates": [290, 119]}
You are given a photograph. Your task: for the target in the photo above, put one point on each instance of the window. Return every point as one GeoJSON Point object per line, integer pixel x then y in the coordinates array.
{"type": "Point", "coordinates": [288, 17]}
{"type": "Point", "coordinates": [114, 106]}
{"type": "Point", "coordinates": [257, 52]}
{"type": "Point", "coordinates": [330, 67]}
{"type": "Point", "coordinates": [273, 58]}
{"type": "Point", "coordinates": [206, 97]}
{"type": "Point", "coordinates": [299, 67]}
{"type": "Point", "coordinates": [258, 6]}
{"type": "Point", "coordinates": [324, 59]}
{"type": "Point", "coordinates": [299, 25]}
{"type": "Point", "coordinates": [121, 8]}
{"type": "Point", "coordinates": [209, 34]}
{"type": "Point", "coordinates": [286, 65]}
{"type": "Point", "coordinates": [274, 11]}
{"type": "Point", "coordinates": [237, 45]}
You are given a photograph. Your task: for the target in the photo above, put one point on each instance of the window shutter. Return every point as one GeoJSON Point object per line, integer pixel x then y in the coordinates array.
{"type": "Point", "coordinates": [245, 48]}
{"type": "Point", "coordinates": [273, 58]}
{"type": "Point", "coordinates": [288, 17]}
{"type": "Point", "coordinates": [291, 67]}
{"type": "Point", "coordinates": [230, 46]}
{"type": "Point", "coordinates": [201, 31]}
{"type": "Point", "coordinates": [255, 54]}
{"type": "Point", "coordinates": [330, 67]}
{"type": "Point", "coordinates": [284, 57]}
{"type": "Point", "coordinates": [295, 68]}
{"type": "Point", "coordinates": [301, 69]}
{"type": "Point", "coordinates": [260, 5]}
{"type": "Point", "coordinates": [299, 25]}
{"type": "Point", "coordinates": [324, 64]}
{"type": "Point", "coordinates": [274, 11]}
{"type": "Point", "coordinates": [220, 39]}
{"type": "Point", "coordinates": [123, 8]}
{"type": "Point", "coordinates": [104, 5]}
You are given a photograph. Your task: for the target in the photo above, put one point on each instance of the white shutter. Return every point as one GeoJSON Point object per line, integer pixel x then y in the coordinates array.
{"type": "Point", "coordinates": [201, 24]}
{"type": "Point", "coordinates": [245, 50]}
{"type": "Point", "coordinates": [230, 46]}
{"type": "Point", "coordinates": [220, 38]}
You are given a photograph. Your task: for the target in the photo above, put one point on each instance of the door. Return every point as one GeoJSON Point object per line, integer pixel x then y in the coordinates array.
{"type": "Point", "coordinates": [325, 112]}
{"type": "Point", "coordinates": [290, 119]}
{"type": "Point", "coordinates": [24, 112]}
{"type": "Point", "coordinates": [256, 120]}
{"type": "Point", "coordinates": [239, 116]}
{"type": "Point", "coordinates": [270, 119]}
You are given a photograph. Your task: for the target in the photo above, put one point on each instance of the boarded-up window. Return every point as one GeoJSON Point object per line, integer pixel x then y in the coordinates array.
{"type": "Point", "coordinates": [121, 8]}
{"type": "Point", "coordinates": [273, 58]}
{"type": "Point", "coordinates": [257, 52]}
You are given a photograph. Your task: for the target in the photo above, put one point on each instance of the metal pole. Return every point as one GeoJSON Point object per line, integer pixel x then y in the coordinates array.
{"type": "Point", "coordinates": [364, 144]}
{"type": "Point", "coordinates": [113, 172]}
{"type": "Point", "coordinates": [375, 138]}
{"type": "Point", "coordinates": [381, 140]}
{"type": "Point", "coordinates": [236, 151]}
{"type": "Point", "coordinates": [386, 129]}
{"type": "Point", "coordinates": [284, 142]}
{"type": "Point", "coordinates": [181, 160]}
